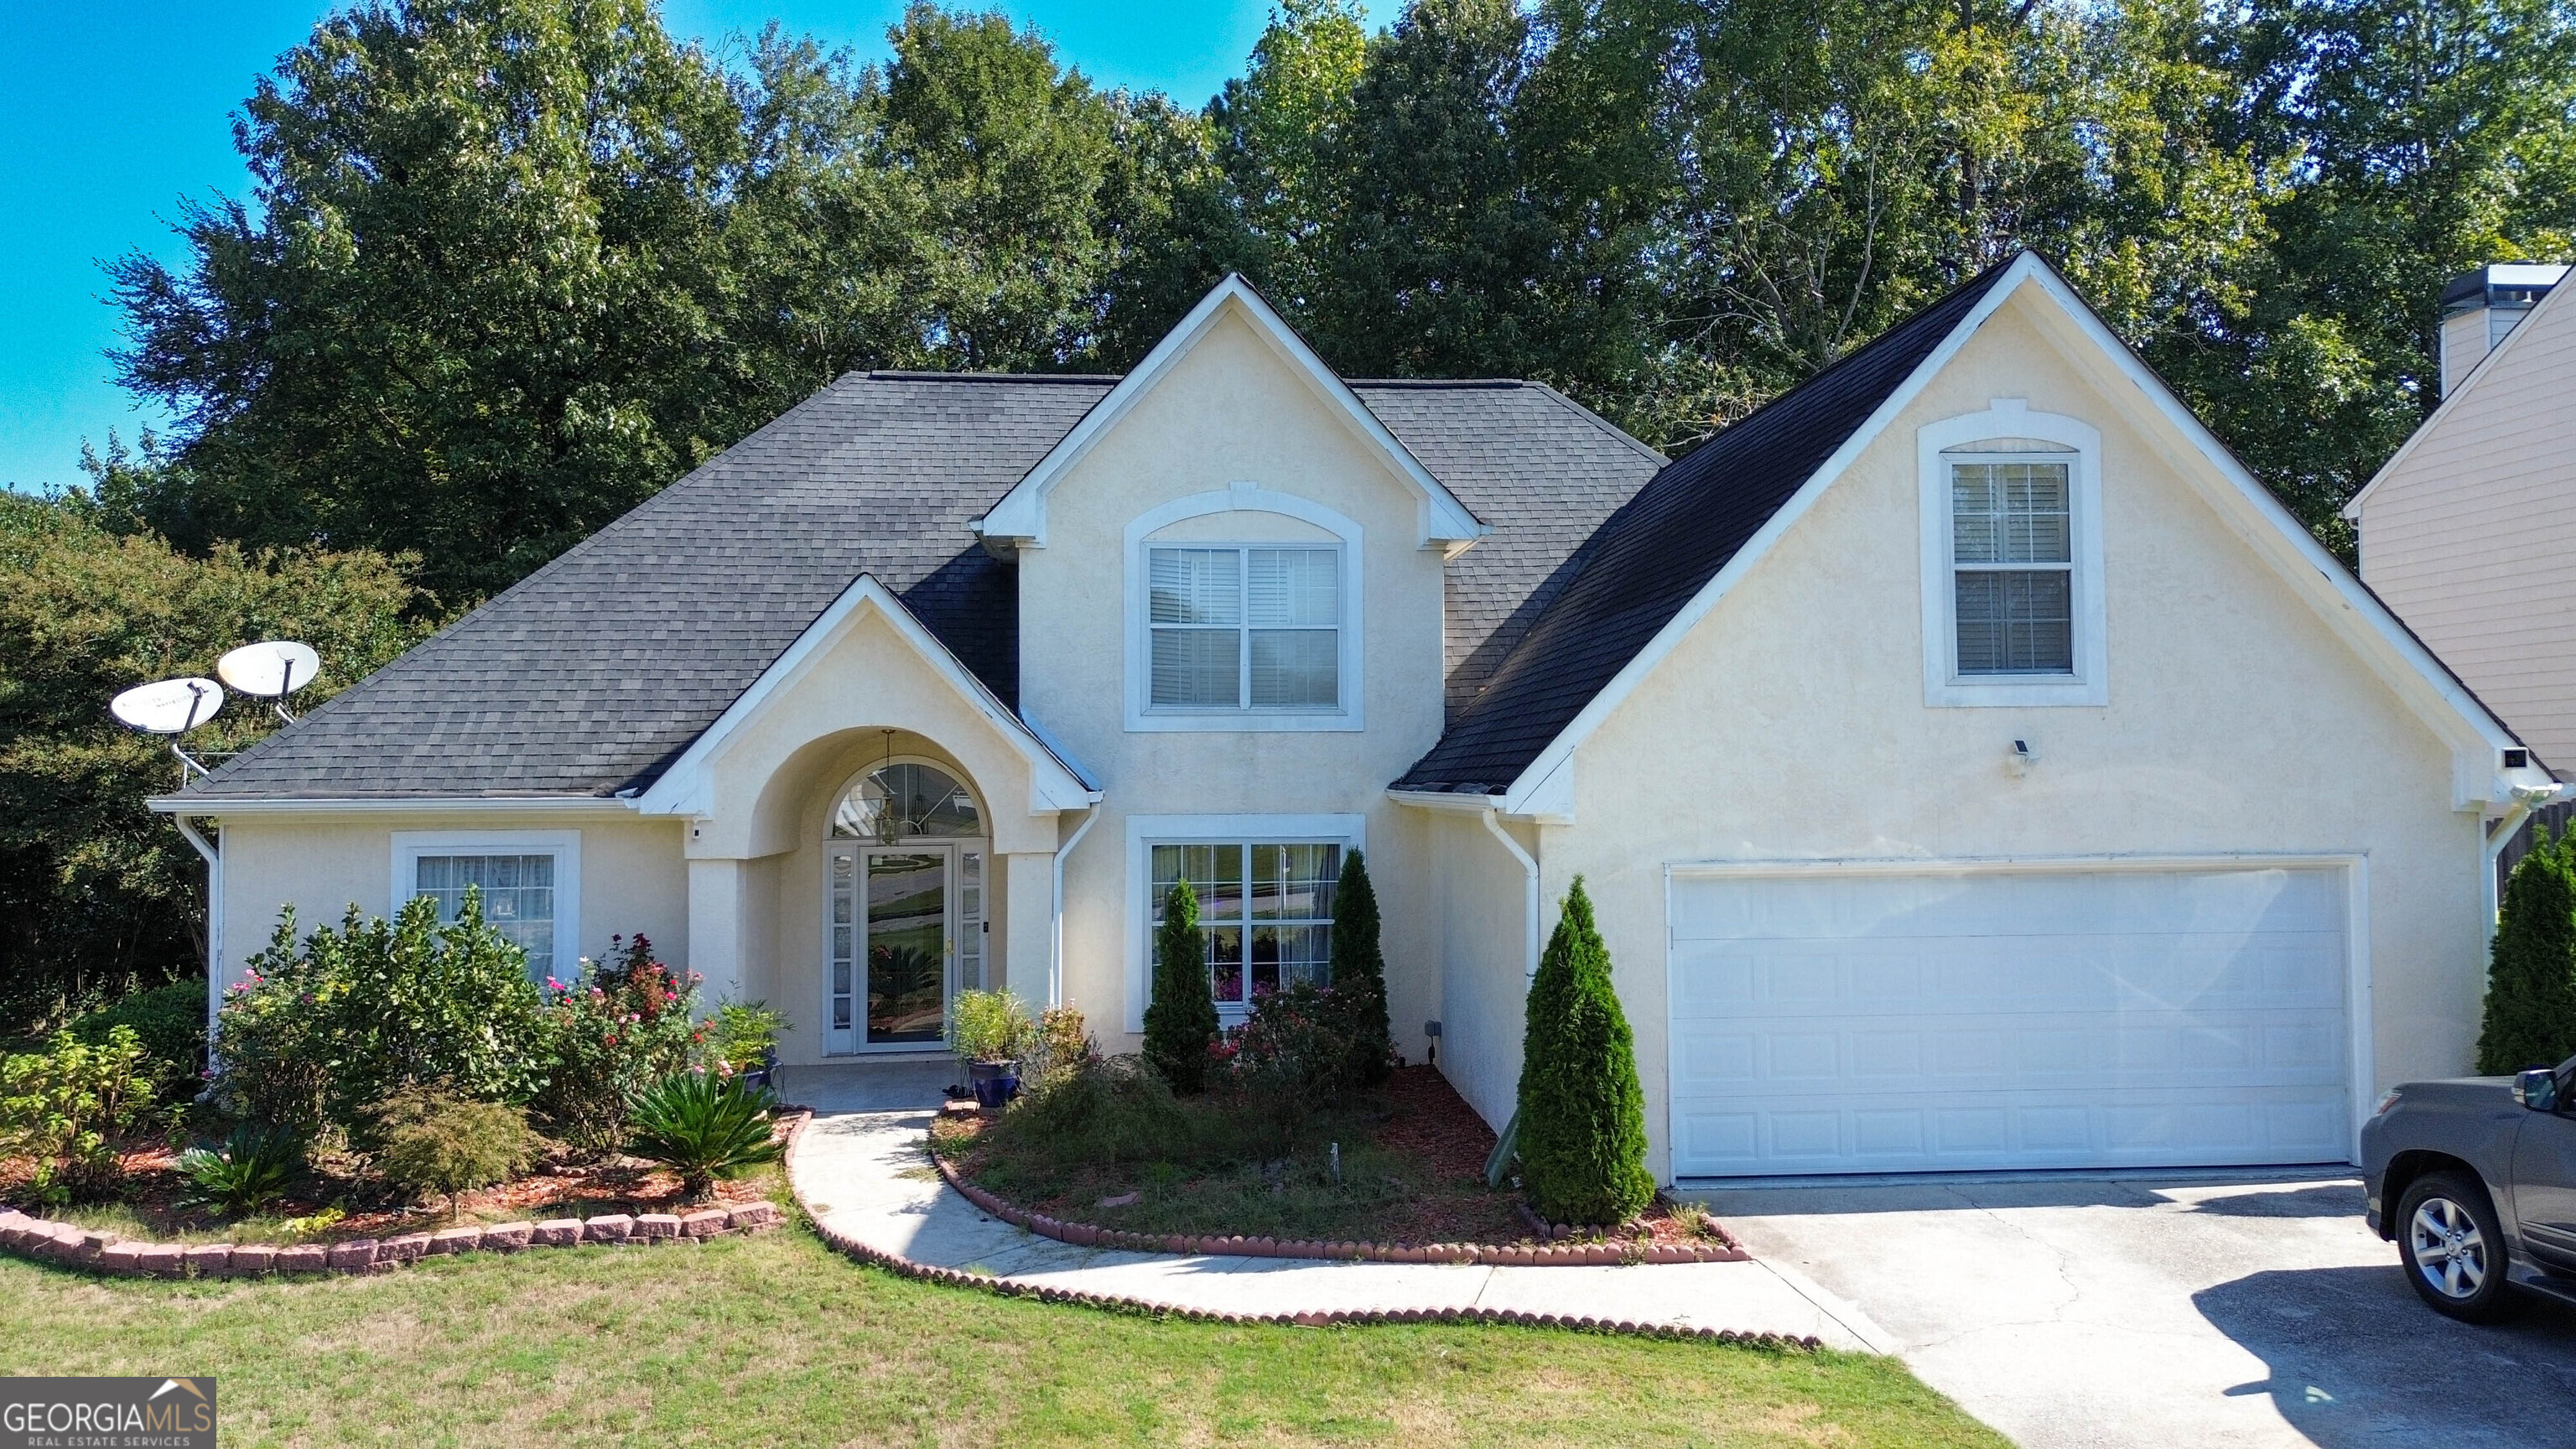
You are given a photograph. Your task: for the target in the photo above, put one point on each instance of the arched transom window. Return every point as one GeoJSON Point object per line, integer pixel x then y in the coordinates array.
{"type": "Point", "coordinates": [906, 800]}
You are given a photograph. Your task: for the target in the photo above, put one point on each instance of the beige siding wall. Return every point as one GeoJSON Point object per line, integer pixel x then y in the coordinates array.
{"type": "Point", "coordinates": [2469, 536]}
{"type": "Point", "coordinates": [632, 875]}
{"type": "Point", "coordinates": [1231, 411]}
{"type": "Point", "coordinates": [2237, 723]}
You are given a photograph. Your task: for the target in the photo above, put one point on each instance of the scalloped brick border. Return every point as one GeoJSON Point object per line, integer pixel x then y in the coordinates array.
{"type": "Point", "coordinates": [76, 1247]}
{"type": "Point", "coordinates": [1499, 1255]}
{"type": "Point", "coordinates": [901, 1266]}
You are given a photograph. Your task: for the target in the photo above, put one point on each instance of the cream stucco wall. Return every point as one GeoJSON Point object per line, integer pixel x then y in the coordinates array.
{"type": "Point", "coordinates": [1228, 412]}
{"type": "Point", "coordinates": [632, 876]}
{"type": "Point", "coordinates": [1790, 723]}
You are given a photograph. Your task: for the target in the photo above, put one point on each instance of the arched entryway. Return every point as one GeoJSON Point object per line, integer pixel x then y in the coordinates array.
{"type": "Point", "coordinates": [905, 868]}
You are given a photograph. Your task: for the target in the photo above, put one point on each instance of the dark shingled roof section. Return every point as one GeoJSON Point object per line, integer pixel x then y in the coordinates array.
{"type": "Point", "coordinates": [592, 674]}
{"type": "Point", "coordinates": [1657, 552]}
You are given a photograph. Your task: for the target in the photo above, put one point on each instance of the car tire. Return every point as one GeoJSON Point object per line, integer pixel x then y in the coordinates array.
{"type": "Point", "coordinates": [2452, 1248]}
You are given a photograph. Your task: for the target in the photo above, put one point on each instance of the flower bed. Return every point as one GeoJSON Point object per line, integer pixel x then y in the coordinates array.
{"type": "Point", "coordinates": [1413, 1191]}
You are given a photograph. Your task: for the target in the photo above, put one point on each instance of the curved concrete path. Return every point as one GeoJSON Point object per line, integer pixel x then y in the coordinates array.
{"type": "Point", "coordinates": [864, 1172]}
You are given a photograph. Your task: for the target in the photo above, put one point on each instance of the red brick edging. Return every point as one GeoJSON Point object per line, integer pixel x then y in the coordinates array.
{"type": "Point", "coordinates": [1501, 1255]}
{"type": "Point", "coordinates": [101, 1252]}
{"type": "Point", "coordinates": [896, 1263]}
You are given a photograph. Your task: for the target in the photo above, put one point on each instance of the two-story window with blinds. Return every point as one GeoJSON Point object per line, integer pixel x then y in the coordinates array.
{"type": "Point", "coordinates": [1252, 628]}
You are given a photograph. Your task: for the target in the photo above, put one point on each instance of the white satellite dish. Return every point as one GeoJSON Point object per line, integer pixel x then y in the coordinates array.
{"type": "Point", "coordinates": [271, 669]}
{"type": "Point", "coordinates": [169, 706]}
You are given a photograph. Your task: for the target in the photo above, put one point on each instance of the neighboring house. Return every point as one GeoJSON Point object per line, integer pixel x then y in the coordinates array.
{"type": "Point", "coordinates": [1973, 766]}
{"type": "Point", "coordinates": [2469, 532]}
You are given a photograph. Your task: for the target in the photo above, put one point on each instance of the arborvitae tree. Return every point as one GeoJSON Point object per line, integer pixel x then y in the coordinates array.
{"type": "Point", "coordinates": [1582, 1111]}
{"type": "Point", "coordinates": [1181, 1019]}
{"type": "Point", "coordinates": [2531, 978]}
{"type": "Point", "coordinates": [1359, 971]}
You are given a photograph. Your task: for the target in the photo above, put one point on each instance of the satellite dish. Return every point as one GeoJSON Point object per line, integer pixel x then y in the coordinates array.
{"type": "Point", "coordinates": [170, 706]}
{"type": "Point", "coordinates": [271, 669]}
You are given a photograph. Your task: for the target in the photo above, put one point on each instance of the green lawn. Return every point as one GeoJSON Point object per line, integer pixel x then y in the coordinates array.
{"type": "Point", "coordinates": [775, 1341]}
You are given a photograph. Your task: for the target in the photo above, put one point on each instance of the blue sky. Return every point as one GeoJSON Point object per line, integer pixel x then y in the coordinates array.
{"type": "Point", "coordinates": [114, 113]}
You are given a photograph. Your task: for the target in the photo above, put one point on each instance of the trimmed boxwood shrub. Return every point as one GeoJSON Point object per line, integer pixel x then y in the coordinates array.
{"type": "Point", "coordinates": [1180, 1022]}
{"type": "Point", "coordinates": [1359, 973]}
{"type": "Point", "coordinates": [2531, 972]}
{"type": "Point", "coordinates": [1582, 1111]}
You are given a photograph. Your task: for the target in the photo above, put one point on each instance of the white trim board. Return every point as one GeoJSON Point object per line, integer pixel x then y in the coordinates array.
{"type": "Point", "coordinates": [564, 845]}
{"type": "Point", "coordinates": [1147, 831]}
{"type": "Point", "coordinates": [1439, 517]}
{"type": "Point", "coordinates": [2436, 698]}
{"type": "Point", "coordinates": [682, 790]}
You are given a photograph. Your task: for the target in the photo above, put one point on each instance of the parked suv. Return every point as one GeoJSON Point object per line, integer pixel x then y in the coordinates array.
{"type": "Point", "coordinates": [2475, 1181]}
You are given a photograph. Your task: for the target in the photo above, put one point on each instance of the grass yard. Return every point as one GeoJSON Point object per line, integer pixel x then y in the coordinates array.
{"type": "Point", "coordinates": [775, 1341]}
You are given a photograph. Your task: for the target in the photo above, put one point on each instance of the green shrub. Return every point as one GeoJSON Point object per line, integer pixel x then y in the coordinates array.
{"type": "Point", "coordinates": [1180, 1021]}
{"type": "Point", "coordinates": [253, 1169]}
{"type": "Point", "coordinates": [990, 1026]}
{"type": "Point", "coordinates": [1063, 1043]}
{"type": "Point", "coordinates": [431, 1139]}
{"type": "Point", "coordinates": [2531, 970]}
{"type": "Point", "coordinates": [321, 1030]}
{"type": "Point", "coordinates": [171, 1021]}
{"type": "Point", "coordinates": [1582, 1111]}
{"type": "Point", "coordinates": [703, 1125]}
{"type": "Point", "coordinates": [620, 1026]}
{"type": "Point", "coordinates": [66, 1105]}
{"type": "Point", "coordinates": [1096, 1111]}
{"type": "Point", "coordinates": [1359, 974]}
{"type": "Point", "coordinates": [741, 1035]}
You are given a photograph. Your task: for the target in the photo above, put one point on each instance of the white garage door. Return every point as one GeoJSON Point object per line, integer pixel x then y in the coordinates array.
{"type": "Point", "coordinates": [2007, 1019]}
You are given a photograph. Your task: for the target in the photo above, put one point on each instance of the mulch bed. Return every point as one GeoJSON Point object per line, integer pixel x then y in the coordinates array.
{"type": "Point", "coordinates": [1423, 1120]}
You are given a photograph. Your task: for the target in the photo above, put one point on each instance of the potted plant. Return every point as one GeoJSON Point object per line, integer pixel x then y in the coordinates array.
{"type": "Point", "coordinates": [992, 1031]}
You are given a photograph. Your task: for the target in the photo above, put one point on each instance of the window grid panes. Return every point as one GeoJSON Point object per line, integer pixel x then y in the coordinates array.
{"type": "Point", "coordinates": [518, 897]}
{"type": "Point", "coordinates": [1244, 628]}
{"type": "Point", "coordinates": [2011, 534]}
{"type": "Point", "coordinates": [1267, 909]}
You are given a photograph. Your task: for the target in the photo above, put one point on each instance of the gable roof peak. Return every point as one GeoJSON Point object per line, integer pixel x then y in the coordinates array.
{"type": "Point", "coordinates": [1440, 519]}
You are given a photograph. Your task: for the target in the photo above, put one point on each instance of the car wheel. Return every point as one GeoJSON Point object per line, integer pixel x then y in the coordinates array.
{"type": "Point", "coordinates": [2453, 1248]}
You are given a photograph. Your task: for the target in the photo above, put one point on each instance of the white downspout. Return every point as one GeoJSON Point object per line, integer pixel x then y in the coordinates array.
{"type": "Point", "coordinates": [1055, 944]}
{"type": "Point", "coordinates": [214, 913]}
{"type": "Point", "coordinates": [1493, 819]}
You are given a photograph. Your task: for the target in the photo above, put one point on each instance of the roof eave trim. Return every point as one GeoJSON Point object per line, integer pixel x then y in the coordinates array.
{"type": "Point", "coordinates": [682, 789]}
{"type": "Point", "coordinates": [218, 805]}
{"type": "Point", "coordinates": [1536, 785]}
{"type": "Point", "coordinates": [1440, 519]}
{"type": "Point", "coordinates": [2351, 509]}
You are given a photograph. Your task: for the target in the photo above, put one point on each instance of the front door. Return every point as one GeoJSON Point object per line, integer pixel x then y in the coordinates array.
{"type": "Point", "coordinates": [901, 922]}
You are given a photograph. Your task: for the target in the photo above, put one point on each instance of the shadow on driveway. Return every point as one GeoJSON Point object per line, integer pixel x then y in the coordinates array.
{"type": "Point", "coordinates": [2356, 1359]}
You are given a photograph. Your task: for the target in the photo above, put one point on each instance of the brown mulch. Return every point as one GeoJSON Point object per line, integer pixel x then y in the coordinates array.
{"type": "Point", "coordinates": [1425, 1121]}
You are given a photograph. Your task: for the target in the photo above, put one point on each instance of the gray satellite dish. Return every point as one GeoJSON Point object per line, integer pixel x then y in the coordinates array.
{"type": "Point", "coordinates": [170, 706]}
{"type": "Point", "coordinates": [270, 669]}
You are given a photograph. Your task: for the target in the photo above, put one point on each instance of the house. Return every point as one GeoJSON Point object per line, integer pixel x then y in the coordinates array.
{"type": "Point", "coordinates": [2468, 529]}
{"type": "Point", "coordinates": [1972, 765]}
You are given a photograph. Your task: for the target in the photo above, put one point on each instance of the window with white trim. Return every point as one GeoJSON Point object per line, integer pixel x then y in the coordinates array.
{"type": "Point", "coordinates": [2012, 566]}
{"type": "Point", "coordinates": [1244, 628]}
{"type": "Point", "coordinates": [1266, 908]}
{"type": "Point", "coordinates": [529, 881]}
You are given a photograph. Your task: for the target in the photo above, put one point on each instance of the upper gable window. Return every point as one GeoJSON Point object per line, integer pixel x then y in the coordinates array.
{"type": "Point", "coordinates": [1245, 628]}
{"type": "Point", "coordinates": [1243, 615]}
{"type": "Point", "coordinates": [2012, 560]}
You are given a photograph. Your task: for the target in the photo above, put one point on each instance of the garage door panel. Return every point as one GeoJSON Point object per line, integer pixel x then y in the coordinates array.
{"type": "Point", "coordinates": [2002, 1019]}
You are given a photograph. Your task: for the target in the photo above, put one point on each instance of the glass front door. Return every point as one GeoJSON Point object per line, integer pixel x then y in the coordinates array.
{"type": "Point", "coordinates": [903, 930]}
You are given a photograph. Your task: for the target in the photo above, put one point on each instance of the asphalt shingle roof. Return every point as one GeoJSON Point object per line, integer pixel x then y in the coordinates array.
{"type": "Point", "coordinates": [592, 674]}
{"type": "Point", "coordinates": [1656, 553]}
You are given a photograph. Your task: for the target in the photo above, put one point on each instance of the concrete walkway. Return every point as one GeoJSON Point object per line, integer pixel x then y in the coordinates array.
{"type": "Point", "coordinates": [862, 1168]}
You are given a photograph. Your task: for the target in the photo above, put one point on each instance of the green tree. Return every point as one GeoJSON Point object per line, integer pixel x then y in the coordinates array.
{"type": "Point", "coordinates": [1359, 971]}
{"type": "Point", "coordinates": [1277, 129]}
{"type": "Point", "coordinates": [1180, 1021]}
{"type": "Point", "coordinates": [1582, 1111]}
{"type": "Point", "coordinates": [2531, 975]}
{"type": "Point", "coordinates": [94, 888]}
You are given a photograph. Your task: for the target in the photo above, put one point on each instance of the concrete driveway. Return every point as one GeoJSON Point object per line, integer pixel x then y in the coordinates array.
{"type": "Point", "coordinates": [2163, 1310]}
